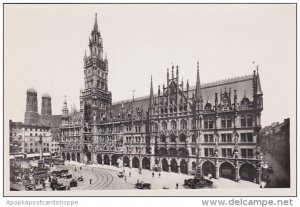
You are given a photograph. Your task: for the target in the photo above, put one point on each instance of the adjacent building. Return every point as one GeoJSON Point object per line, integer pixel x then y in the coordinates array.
{"type": "Point", "coordinates": [275, 144]}
{"type": "Point", "coordinates": [214, 126]}
{"type": "Point", "coordinates": [27, 135]}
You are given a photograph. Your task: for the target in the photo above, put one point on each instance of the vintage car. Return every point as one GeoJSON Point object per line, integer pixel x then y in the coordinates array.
{"type": "Point", "coordinates": [80, 178]}
{"type": "Point", "coordinates": [142, 185]}
{"type": "Point", "coordinates": [67, 176]}
{"type": "Point", "coordinates": [197, 183]}
{"type": "Point", "coordinates": [73, 183]}
{"type": "Point", "coordinates": [121, 174]}
{"type": "Point", "coordinates": [29, 187]}
{"type": "Point", "coordinates": [61, 186]}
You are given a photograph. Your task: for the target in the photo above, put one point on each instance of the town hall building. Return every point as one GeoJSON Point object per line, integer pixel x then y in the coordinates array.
{"type": "Point", "coordinates": [178, 128]}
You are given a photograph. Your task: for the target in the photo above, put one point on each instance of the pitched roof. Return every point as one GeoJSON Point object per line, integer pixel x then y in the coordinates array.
{"type": "Point", "coordinates": [243, 86]}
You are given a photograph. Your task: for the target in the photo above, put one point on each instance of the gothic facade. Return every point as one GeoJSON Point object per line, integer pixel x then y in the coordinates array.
{"type": "Point", "coordinates": [212, 126]}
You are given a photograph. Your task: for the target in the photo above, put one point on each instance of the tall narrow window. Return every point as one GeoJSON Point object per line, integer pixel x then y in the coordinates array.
{"type": "Point", "coordinates": [243, 121]}
{"type": "Point", "coordinates": [249, 120]}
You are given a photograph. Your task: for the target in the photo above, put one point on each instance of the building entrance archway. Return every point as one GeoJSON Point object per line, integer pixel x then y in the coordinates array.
{"type": "Point", "coordinates": [78, 157]}
{"type": "Point", "coordinates": [174, 166]}
{"type": "Point", "coordinates": [99, 159]}
{"type": "Point", "coordinates": [68, 156]}
{"type": "Point", "coordinates": [106, 159]}
{"type": "Point", "coordinates": [126, 161]}
{"type": "Point", "coordinates": [114, 160]}
{"type": "Point", "coordinates": [135, 162]}
{"type": "Point", "coordinates": [183, 167]}
{"type": "Point", "coordinates": [247, 172]}
{"type": "Point", "coordinates": [227, 170]}
{"type": "Point", "coordinates": [165, 165]}
{"type": "Point", "coordinates": [73, 157]}
{"type": "Point", "coordinates": [146, 163]}
{"type": "Point", "coordinates": [209, 168]}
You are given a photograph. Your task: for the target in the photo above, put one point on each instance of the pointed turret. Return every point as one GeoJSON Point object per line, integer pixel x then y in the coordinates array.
{"type": "Point", "coordinates": [95, 29]}
{"type": "Point", "coordinates": [235, 99]}
{"type": "Point", "coordinates": [198, 93]}
{"type": "Point", "coordinates": [258, 94]}
{"type": "Point", "coordinates": [65, 107]}
{"type": "Point", "coordinates": [258, 85]}
{"type": "Point", "coordinates": [151, 99]}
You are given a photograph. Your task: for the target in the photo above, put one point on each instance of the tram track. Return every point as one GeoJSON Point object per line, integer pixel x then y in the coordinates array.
{"type": "Point", "coordinates": [90, 187]}
{"type": "Point", "coordinates": [107, 180]}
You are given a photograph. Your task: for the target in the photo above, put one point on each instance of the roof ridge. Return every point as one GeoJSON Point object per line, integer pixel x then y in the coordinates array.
{"type": "Point", "coordinates": [204, 85]}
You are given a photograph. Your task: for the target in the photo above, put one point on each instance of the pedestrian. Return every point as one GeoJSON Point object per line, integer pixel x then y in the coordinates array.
{"type": "Point", "coordinates": [177, 185]}
{"type": "Point", "coordinates": [153, 174]}
{"type": "Point", "coordinates": [80, 168]}
{"type": "Point", "coordinates": [125, 178]}
{"type": "Point", "coordinates": [129, 174]}
{"type": "Point", "coordinates": [159, 175]}
{"type": "Point", "coordinates": [75, 169]}
{"type": "Point", "coordinates": [91, 181]}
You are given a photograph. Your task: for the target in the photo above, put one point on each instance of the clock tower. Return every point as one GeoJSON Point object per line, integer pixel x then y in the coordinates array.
{"type": "Point", "coordinates": [95, 98]}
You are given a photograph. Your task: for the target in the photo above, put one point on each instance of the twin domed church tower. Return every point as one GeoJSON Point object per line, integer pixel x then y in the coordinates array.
{"type": "Point", "coordinates": [31, 114]}
{"type": "Point", "coordinates": [213, 126]}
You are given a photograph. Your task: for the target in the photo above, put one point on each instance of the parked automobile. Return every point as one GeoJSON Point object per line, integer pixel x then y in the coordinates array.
{"type": "Point", "coordinates": [80, 178]}
{"type": "Point", "coordinates": [67, 176]}
{"type": "Point", "coordinates": [61, 186]}
{"type": "Point", "coordinates": [197, 183]}
{"type": "Point", "coordinates": [29, 187]}
{"type": "Point", "coordinates": [142, 185]}
{"type": "Point", "coordinates": [121, 174]}
{"type": "Point", "coordinates": [73, 183]}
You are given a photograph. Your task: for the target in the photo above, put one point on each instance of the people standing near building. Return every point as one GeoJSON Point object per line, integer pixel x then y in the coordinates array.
{"type": "Point", "coordinates": [90, 180]}
{"type": "Point", "coordinates": [177, 185]}
{"type": "Point", "coordinates": [153, 174]}
{"type": "Point", "coordinates": [159, 175]}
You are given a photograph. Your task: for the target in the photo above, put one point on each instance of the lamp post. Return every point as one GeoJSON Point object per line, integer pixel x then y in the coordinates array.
{"type": "Point", "coordinates": [41, 147]}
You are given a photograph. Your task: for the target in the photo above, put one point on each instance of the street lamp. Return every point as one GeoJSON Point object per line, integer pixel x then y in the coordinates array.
{"type": "Point", "coordinates": [41, 147]}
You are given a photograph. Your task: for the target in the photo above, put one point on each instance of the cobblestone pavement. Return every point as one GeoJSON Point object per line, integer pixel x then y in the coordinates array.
{"type": "Point", "coordinates": [165, 180]}
{"type": "Point", "coordinates": [106, 177]}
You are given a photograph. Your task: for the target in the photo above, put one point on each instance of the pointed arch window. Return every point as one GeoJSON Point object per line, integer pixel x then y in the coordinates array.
{"type": "Point", "coordinates": [173, 125]}
{"type": "Point", "coordinates": [183, 124]}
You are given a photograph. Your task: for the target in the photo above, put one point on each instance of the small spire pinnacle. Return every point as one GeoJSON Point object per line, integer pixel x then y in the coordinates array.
{"type": "Point", "coordinates": [198, 85]}
{"type": "Point", "coordinates": [95, 24]}
{"type": "Point", "coordinates": [151, 99]}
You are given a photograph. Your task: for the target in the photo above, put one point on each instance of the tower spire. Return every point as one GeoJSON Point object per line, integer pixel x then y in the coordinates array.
{"type": "Point", "coordinates": [198, 94]}
{"type": "Point", "coordinates": [95, 24]}
{"type": "Point", "coordinates": [258, 85]}
{"type": "Point", "coordinates": [151, 100]}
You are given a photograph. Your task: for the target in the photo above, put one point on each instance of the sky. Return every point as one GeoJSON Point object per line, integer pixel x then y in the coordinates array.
{"type": "Point", "coordinates": [44, 47]}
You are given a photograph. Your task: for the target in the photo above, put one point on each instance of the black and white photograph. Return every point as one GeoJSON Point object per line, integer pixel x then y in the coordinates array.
{"type": "Point", "coordinates": [149, 99]}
